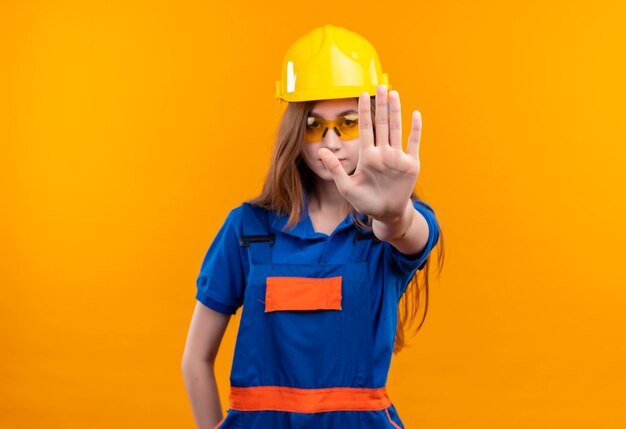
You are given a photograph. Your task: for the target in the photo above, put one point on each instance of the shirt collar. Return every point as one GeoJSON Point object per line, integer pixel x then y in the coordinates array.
{"type": "Point", "coordinates": [304, 227]}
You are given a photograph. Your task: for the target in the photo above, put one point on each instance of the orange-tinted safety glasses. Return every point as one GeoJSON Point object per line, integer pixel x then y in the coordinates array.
{"type": "Point", "coordinates": [346, 127]}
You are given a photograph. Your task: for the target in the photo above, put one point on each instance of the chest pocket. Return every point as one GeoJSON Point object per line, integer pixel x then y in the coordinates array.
{"type": "Point", "coordinates": [303, 318]}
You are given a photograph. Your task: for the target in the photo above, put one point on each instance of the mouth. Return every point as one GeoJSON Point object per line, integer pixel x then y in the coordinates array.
{"type": "Point", "coordinates": [340, 159]}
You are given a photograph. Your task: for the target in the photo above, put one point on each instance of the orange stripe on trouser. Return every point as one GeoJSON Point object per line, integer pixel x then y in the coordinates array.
{"type": "Point", "coordinates": [219, 423]}
{"type": "Point", "coordinates": [291, 399]}
{"type": "Point", "coordinates": [395, 425]}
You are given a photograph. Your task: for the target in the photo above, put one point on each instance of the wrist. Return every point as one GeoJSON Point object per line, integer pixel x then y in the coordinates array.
{"type": "Point", "coordinates": [395, 228]}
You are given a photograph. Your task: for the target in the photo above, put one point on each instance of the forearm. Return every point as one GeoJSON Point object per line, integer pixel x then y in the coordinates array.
{"type": "Point", "coordinates": [202, 391]}
{"type": "Point", "coordinates": [408, 233]}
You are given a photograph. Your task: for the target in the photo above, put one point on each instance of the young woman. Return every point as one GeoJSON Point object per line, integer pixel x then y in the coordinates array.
{"type": "Point", "coordinates": [321, 260]}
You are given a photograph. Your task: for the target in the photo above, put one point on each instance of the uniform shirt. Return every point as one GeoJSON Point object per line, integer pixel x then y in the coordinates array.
{"type": "Point", "coordinates": [222, 279]}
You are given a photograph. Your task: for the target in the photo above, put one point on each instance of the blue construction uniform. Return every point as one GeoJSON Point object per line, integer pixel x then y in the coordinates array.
{"type": "Point", "coordinates": [351, 347]}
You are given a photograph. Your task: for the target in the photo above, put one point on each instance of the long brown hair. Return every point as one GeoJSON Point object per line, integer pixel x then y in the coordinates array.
{"type": "Point", "coordinates": [283, 192]}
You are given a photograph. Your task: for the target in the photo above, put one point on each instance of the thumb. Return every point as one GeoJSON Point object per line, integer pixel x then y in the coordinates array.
{"type": "Point", "coordinates": [332, 164]}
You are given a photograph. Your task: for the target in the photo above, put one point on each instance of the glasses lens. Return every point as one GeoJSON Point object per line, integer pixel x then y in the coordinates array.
{"type": "Point", "coordinates": [314, 129]}
{"type": "Point", "coordinates": [348, 126]}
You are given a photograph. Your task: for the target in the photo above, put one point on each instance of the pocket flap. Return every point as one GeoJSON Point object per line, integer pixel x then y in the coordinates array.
{"type": "Point", "coordinates": [302, 293]}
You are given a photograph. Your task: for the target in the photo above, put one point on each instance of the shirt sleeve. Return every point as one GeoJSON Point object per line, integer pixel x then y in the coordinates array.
{"type": "Point", "coordinates": [404, 266]}
{"type": "Point", "coordinates": [221, 282]}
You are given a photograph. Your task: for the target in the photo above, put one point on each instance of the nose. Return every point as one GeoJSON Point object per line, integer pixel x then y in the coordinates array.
{"type": "Point", "coordinates": [331, 139]}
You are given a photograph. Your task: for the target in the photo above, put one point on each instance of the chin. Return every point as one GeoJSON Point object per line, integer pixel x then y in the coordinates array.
{"type": "Point", "coordinates": [325, 175]}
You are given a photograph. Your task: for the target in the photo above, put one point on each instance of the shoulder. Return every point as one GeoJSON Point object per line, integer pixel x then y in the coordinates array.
{"type": "Point", "coordinates": [248, 214]}
{"type": "Point", "coordinates": [237, 215]}
{"type": "Point", "coordinates": [232, 224]}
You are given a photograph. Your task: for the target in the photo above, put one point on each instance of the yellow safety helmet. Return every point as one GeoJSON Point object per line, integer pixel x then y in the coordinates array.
{"type": "Point", "coordinates": [329, 62]}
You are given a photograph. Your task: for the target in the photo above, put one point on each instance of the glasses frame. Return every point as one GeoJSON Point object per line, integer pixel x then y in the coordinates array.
{"type": "Point", "coordinates": [330, 124]}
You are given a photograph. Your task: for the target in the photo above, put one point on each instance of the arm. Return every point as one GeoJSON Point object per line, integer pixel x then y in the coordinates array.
{"type": "Point", "coordinates": [203, 340]}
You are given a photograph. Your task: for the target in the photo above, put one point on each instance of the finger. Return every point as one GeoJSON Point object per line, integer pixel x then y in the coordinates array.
{"type": "Point", "coordinates": [395, 120]}
{"type": "Point", "coordinates": [413, 146]}
{"type": "Point", "coordinates": [366, 135]}
{"type": "Point", "coordinates": [381, 121]}
{"type": "Point", "coordinates": [333, 165]}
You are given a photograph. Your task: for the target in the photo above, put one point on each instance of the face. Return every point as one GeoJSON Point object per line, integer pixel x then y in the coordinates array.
{"type": "Point", "coordinates": [346, 150]}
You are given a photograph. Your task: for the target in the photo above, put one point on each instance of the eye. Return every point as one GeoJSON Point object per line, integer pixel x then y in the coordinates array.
{"type": "Point", "coordinates": [312, 123]}
{"type": "Point", "coordinates": [349, 121]}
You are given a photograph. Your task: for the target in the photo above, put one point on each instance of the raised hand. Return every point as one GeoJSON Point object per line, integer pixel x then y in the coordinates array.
{"type": "Point", "coordinates": [385, 175]}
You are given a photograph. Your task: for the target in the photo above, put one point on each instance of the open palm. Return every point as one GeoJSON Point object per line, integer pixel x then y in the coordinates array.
{"type": "Point", "coordinates": [385, 175]}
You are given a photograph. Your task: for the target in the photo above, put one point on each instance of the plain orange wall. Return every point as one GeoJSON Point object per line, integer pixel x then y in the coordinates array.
{"type": "Point", "coordinates": [128, 130]}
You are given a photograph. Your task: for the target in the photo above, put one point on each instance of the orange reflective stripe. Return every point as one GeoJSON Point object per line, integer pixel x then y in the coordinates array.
{"type": "Point", "coordinates": [291, 399]}
{"type": "Point", "coordinates": [302, 293]}
{"type": "Point", "coordinates": [395, 425]}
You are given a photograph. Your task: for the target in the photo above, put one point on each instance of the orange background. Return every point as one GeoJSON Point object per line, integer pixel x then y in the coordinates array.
{"type": "Point", "coordinates": [128, 130]}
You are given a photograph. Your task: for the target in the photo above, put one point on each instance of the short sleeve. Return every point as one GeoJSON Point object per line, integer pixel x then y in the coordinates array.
{"type": "Point", "coordinates": [221, 282]}
{"type": "Point", "coordinates": [405, 266]}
